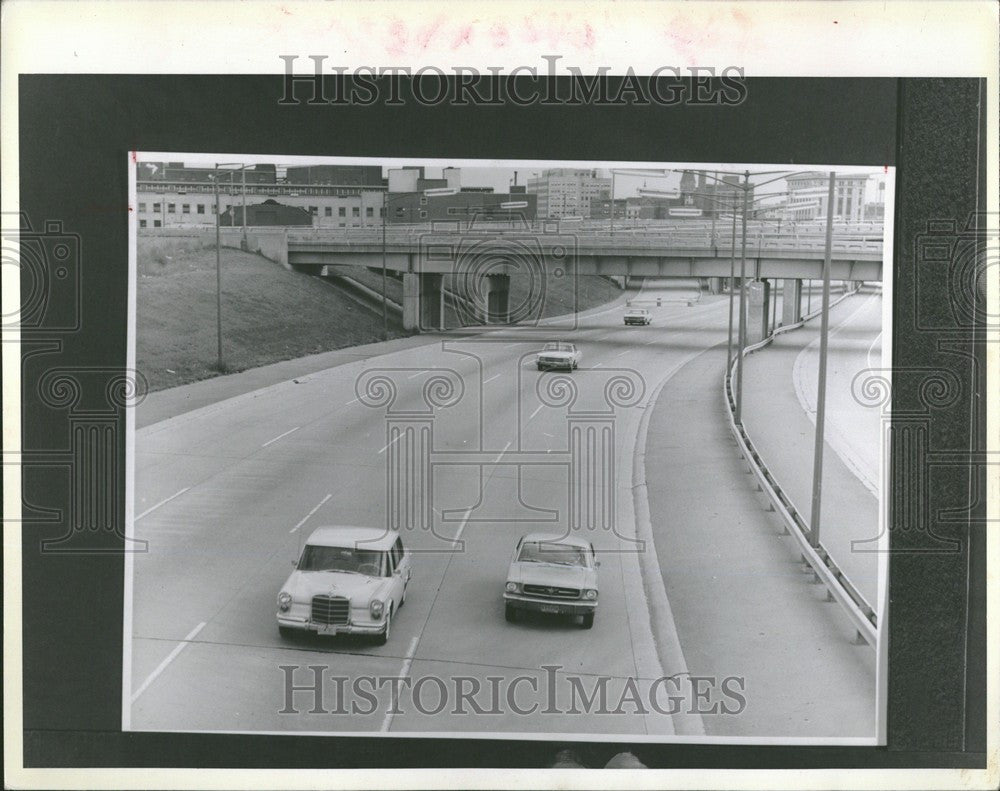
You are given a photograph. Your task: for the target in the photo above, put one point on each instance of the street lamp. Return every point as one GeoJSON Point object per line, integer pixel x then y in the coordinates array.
{"type": "Point", "coordinates": [745, 186]}
{"type": "Point", "coordinates": [218, 248]}
{"type": "Point", "coordinates": [386, 201]}
{"type": "Point", "coordinates": [817, 489]}
{"type": "Point", "coordinates": [817, 482]}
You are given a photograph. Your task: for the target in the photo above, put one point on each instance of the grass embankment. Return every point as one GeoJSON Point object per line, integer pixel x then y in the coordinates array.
{"type": "Point", "coordinates": [268, 313]}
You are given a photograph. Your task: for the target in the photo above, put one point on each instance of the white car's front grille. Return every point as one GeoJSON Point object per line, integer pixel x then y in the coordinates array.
{"type": "Point", "coordinates": [330, 609]}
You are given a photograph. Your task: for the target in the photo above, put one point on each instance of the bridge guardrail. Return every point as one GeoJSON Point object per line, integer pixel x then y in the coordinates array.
{"type": "Point", "coordinates": [838, 586]}
{"type": "Point", "coordinates": [755, 244]}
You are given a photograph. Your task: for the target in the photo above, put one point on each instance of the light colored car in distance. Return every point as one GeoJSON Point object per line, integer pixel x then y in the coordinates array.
{"type": "Point", "coordinates": [558, 354]}
{"type": "Point", "coordinates": [552, 573]}
{"type": "Point", "coordinates": [638, 316]}
{"type": "Point", "coordinates": [348, 580]}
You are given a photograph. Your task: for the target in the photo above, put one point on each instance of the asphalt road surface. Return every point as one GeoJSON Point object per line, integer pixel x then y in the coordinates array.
{"type": "Point", "coordinates": [225, 494]}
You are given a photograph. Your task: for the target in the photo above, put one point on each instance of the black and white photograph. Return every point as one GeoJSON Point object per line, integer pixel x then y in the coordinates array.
{"type": "Point", "coordinates": [443, 395]}
{"type": "Point", "coordinates": [491, 448]}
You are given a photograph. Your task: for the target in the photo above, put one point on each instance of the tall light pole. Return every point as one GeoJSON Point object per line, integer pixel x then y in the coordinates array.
{"type": "Point", "coordinates": [745, 186]}
{"type": "Point", "coordinates": [385, 309]}
{"type": "Point", "coordinates": [220, 363]}
{"type": "Point", "coordinates": [612, 211]}
{"type": "Point", "coordinates": [743, 310]}
{"type": "Point", "coordinates": [218, 272]}
{"type": "Point", "coordinates": [732, 292]}
{"type": "Point", "coordinates": [817, 486]}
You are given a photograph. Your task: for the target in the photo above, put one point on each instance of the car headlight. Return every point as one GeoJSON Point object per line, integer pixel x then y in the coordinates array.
{"type": "Point", "coordinates": [590, 593]}
{"type": "Point", "coordinates": [376, 608]}
{"type": "Point", "coordinates": [511, 587]}
{"type": "Point", "coordinates": [284, 601]}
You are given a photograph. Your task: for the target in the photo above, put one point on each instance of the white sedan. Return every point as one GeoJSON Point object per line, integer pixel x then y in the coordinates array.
{"type": "Point", "coordinates": [558, 354]}
{"type": "Point", "coordinates": [348, 580]}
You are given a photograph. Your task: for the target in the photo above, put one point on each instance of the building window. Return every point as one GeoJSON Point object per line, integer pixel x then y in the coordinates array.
{"type": "Point", "coordinates": [156, 208]}
{"type": "Point", "coordinates": [355, 211]}
{"type": "Point", "coordinates": [142, 223]}
{"type": "Point", "coordinates": [186, 208]}
{"type": "Point", "coordinates": [328, 211]}
{"type": "Point", "coordinates": [213, 208]}
{"type": "Point", "coordinates": [171, 208]}
{"type": "Point", "coordinates": [381, 211]}
{"type": "Point", "coordinates": [156, 223]}
{"type": "Point", "coordinates": [423, 214]}
{"type": "Point", "coordinates": [142, 207]}
{"type": "Point", "coordinates": [201, 208]}
{"type": "Point", "coordinates": [342, 212]}
{"type": "Point", "coordinates": [369, 212]}
{"type": "Point", "coordinates": [313, 211]}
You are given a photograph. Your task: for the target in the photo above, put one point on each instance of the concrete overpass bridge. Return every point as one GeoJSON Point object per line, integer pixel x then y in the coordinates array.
{"type": "Point", "coordinates": [478, 263]}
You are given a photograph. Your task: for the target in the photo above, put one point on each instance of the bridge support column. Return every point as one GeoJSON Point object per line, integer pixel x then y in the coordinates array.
{"type": "Point", "coordinates": [497, 293]}
{"type": "Point", "coordinates": [759, 293]}
{"type": "Point", "coordinates": [715, 285]}
{"type": "Point", "coordinates": [791, 301]}
{"type": "Point", "coordinates": [423, 302]}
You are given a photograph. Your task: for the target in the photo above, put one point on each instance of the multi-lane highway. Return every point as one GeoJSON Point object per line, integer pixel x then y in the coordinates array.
{"type": "Point", "coordinates": [226, 494]}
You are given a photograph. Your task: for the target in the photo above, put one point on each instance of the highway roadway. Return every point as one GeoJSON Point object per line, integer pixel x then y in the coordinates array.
{"type": "Point", "coordinates": [225, 494]}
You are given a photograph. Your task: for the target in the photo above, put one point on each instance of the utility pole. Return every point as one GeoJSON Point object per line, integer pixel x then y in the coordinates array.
{"type": "Point", "coordinates": [732, 291]}
{"type": "Point", "coordinates": [243, 173]}
{"type": "Point", "coordinates": [824, 332]}
{"type": "Point", "coordinates": [743, 310]}
{"type": "Point", "coordinates": [385, 310]}
{"type": "Point", "coordinates": [218, 273]}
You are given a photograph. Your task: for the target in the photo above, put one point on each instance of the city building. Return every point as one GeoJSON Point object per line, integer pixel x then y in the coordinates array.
{"type": "Point", "coordinates": [171, 196]}
{"type": "Point", "coordinates": [601, 208]}
{"type": "Point", "coordinates": [715, 197]}
{"type": "Point", "coordinates": [464, 206]}
{"type": "Point", "coordinates": [341, 175]}
{"type": "Point", "coordinates": [808, 195]}
{"type": "Point", "coordinates": [566, 192]}
{"type": "Point", "coordinates": [270, 212]}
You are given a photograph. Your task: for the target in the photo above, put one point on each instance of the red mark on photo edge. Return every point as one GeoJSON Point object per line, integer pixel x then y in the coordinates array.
{"type": "Point", "coordinates": [885, 168]}
{"type": "Point", "coordinates": [135, 157]}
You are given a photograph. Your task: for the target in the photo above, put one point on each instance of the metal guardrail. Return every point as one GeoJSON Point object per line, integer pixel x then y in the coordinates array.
{"type": "Point", "coordinates": [596, 239]}
{"type": "Point", "coordinates": [838, 586]}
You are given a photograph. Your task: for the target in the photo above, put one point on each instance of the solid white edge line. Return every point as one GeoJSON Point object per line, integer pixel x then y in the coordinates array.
{"type": "Point", "coordinates": [170, 658]}
{"type": "Point", "coordinates": [162, 502]}
{"type": "Point", "coordinates": [290, 431]}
